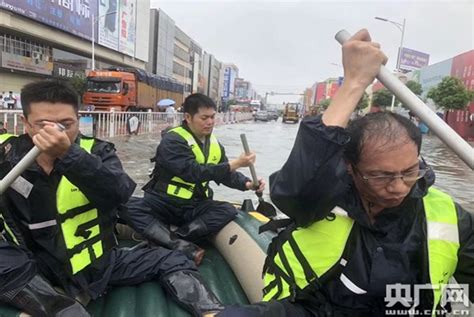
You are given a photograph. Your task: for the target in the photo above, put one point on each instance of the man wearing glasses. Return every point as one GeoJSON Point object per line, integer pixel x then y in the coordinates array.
{"type": "Point", "coordinates": [371, 236]}
{"type": "Point", "coordinates": [58, 218]}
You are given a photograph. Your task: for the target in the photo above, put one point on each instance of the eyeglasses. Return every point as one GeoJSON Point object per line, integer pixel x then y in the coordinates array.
{"type": "Point", "coordinates": [63, 125]}
{"type": "Point", "coordinates": [385, 179]}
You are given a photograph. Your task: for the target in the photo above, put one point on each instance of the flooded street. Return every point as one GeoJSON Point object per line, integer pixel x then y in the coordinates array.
{"type": "Point", "coordinates": [272, 142]}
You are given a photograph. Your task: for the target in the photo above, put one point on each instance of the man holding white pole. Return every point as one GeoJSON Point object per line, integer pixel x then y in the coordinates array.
{"type": "Point", "coordinates": [371, 235]}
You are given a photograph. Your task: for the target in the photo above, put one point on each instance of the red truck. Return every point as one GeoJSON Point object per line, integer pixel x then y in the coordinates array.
{"type": "Point", "coordinates": [128, 90]}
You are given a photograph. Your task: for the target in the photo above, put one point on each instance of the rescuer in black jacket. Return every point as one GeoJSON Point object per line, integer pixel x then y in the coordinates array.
{"type": "Point", "coordinates": [367, 175]}
{"type": "Point", "coordinates": [59, 217]}
{"type": "Point", "coordinates": [187, 159]}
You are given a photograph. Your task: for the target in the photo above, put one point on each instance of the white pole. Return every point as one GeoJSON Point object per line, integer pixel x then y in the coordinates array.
{"type": "Point", "coordinates": [435, 123]}
{"type": "Point", "coordinates": [19, 168]}
{"type": "Point", "coordinates": [93, 40]}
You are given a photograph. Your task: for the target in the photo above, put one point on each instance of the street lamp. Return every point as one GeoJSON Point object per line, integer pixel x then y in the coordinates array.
{"type": "Point", "coordinates": [401, 27]}
{"type": "Point", "coordinates": [94, 21]}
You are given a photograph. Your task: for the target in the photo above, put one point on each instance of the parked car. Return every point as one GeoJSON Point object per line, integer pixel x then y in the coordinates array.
{"type": "Point", "coordinates": [262, 115]}
{"type": "Point", "coordinates": [273, 115]}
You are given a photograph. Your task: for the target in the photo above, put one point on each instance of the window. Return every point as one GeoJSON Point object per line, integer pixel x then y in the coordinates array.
{"type": "Point", "coordinates": [24, 47]}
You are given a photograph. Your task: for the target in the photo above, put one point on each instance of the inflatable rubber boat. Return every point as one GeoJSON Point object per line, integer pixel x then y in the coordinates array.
{"type": "Point", "coordinates": [232, 267]}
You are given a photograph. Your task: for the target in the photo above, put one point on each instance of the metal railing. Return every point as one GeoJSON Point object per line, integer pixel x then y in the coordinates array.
{"type": "Point", "coordinates": [103, 124]}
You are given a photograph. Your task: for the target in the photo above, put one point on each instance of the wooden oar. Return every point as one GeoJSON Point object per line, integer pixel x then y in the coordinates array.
{"type": "Point", "coordinates": [263, 207]}
{"type": "Point", "coordinates": [435, 123]}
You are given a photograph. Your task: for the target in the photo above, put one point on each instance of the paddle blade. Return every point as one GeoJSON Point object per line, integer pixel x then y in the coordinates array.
{"type": "Point", "coordinates": [247, 205]}
{"type": "Point", "coordinates": [266, 209]}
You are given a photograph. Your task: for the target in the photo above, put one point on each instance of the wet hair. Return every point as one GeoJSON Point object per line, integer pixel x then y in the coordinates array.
{"type": "Point", "coordinates": [387, 127]}
{"type": "Point", "coordinates": [54, 91]}
{"type": "Point", "coordinates": [193, 102]}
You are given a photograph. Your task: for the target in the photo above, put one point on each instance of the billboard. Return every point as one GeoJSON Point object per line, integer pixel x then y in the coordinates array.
{"type": "Point", "coordinates": [127, 24]}
{"type": "Point", "coordinates": [412, 60]}
{"type": "Point", "coordinates": [108, 24]}
{"type": "Point", "coordinates": [70, 16]}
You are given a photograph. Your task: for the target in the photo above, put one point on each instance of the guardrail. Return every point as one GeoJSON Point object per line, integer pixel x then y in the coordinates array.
{"type": "Point", "coordinates": [102, 124]}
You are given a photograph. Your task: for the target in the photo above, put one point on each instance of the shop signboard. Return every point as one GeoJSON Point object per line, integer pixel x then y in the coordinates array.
{"type": "Point", "coordinates": [26, 64]}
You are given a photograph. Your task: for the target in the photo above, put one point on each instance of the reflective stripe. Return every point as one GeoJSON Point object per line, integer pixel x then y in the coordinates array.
{"type": "Point", "coordinates": [343, 262]}
{"type": "Point", "coordinates": [339, 211]}
{"type": "Point", "coordinates": [351, 286]}
{"type": "Point", "coordinates": [443, 231]}
{"type": "Point", "coordinates": [41, 225]}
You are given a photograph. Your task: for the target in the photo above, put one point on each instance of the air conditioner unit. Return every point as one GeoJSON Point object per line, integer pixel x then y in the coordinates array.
{"type": "Point", "coordinates": [36, 55]}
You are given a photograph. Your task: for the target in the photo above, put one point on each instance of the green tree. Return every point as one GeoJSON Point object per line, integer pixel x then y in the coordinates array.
{"type": "Point", "coordinates": [414, 87]}
{"type": "Point", "coordinates": [363, 102]}
{"type": "Point", "coordinates": [324, 104]}
{"type": "Point", "coordinates": [78, 82]}
{"type": "Point", "coordinates": [450, 93]}
{"type": "Point", "coordinates": [382, 98]}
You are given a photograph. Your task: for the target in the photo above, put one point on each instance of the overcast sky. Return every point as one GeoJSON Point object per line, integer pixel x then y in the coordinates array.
{"type": "Point", "coordinates": [288, 45]}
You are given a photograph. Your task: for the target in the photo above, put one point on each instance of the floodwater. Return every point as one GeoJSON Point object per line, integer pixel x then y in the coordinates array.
{"type": "Point", "coordinates": [272, 142]}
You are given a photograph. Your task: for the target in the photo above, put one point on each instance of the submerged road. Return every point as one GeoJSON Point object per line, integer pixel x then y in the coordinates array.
{"type": "Point", "coordinates": [272, 142]}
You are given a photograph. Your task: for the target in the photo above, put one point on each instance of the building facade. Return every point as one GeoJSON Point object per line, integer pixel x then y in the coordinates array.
{"type": "Point", "coordinates": [462, 67]}
{"type": "Point", "coordinates": [182, 58]}
{"type": "Point", "coordinates": [161, 44]}
{"type": "Point", "coordinates": [211, 71]}
{"type": "Point", "coordinates": [54, 39]}
{"type": "Point", "coordinates": [243, 89]}
{"type": "Point", "coordinates": [196, 62]}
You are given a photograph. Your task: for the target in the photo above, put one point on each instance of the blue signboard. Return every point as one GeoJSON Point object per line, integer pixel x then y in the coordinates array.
{"type": "Point", "coordinates": [226, 90]}
{"type": "Point", "coordinates": [72, 16]}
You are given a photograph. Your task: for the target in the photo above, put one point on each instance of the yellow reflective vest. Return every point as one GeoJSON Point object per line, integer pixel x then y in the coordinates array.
{"type": "Point", "coordinates": [5, 136]}
{"type": "Point", "coordinates": [79, 222]}
{"type": "Point", "coordinates": [311, 252]}
{"type": "Point", "coordinates": [178, 187]}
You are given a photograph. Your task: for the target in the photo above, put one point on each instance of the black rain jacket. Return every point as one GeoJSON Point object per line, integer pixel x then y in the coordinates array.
{"type": "Point", "coordinates": [99, 176]}
{"type": "Point", "coordinates": [174, 157]}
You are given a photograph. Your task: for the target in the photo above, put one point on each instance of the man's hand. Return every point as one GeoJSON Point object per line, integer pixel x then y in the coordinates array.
{"type": "Point", "coordinates": [52, 141]}
{"type": "Point", "coordinates": [261, 185]}
{"type": "Point", "coordinates": [361, 59]}
{"type": "Point", "coordinates": [244, 160]}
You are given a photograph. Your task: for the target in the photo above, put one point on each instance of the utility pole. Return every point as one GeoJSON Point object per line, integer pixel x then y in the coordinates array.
{"type": "Point", "coordinates": [401, 27]}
